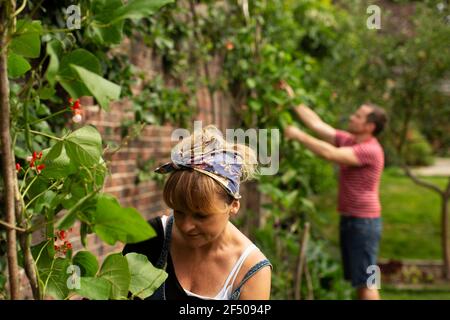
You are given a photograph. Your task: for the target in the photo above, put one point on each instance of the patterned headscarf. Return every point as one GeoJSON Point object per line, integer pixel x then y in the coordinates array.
{"type": "Point", "coordinates": [208, 155]}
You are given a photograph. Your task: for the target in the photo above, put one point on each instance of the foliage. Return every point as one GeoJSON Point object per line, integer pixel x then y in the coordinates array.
{"type": "Point", "coordinates": [418, 151]}
{"type": "Point", "coordinates": [402, 67]}
{"type": "Point", "coordinates": [61, 171]}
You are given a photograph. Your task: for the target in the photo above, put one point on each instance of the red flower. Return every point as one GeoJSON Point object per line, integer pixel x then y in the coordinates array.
{"type": "Point", "coordinates": [64, 243]}
{"type": "Point", "coordinates": [40, 167]}
{"type": "Point", "coordinates": [62, 234]}
{"type": "Point", "coordinates": [18, 167]}
{"type": "Point", "coordinates": [76, 105]}
{"type": "Point", "coordinates": [32, 159]}
{"type": "Point", "coordinates": [70, 100]}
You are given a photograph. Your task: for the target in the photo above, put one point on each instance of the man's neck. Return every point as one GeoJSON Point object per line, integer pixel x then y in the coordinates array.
{"type": "Point", "coordinates": [363, 137]}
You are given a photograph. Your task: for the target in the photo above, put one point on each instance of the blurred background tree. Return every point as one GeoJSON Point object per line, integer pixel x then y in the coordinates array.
{"type": "Point", "coordinates": [405, 68]}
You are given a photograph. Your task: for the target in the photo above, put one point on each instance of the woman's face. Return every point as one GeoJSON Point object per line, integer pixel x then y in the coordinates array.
{"type": "Point", "coordinates": [201, 228]}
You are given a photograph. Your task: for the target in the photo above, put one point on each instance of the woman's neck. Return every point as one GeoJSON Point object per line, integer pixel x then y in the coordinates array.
{"type": "Point", "coordinates": [218, 244]}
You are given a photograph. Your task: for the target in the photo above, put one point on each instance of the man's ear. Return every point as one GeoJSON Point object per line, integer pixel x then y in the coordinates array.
{"type": "Point", "coordinates": [370, 126]}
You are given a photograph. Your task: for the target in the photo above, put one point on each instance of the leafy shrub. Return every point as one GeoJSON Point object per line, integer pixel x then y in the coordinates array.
{"type": "Point", "coordinates": [418, 151]}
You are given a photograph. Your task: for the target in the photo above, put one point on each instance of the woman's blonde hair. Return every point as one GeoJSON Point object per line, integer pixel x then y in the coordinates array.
{"type": "Point", "coordinates": [196, 192]}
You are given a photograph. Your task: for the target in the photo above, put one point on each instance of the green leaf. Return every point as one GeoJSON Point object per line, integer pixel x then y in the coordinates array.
{"type": "Point", "coordinates": [103, 90]}
{"type": "Point", "coordinates": [87, 262]}
{"type": "Point", "coordinates": [106, 35]}
{"type": "Point", "coordinates": [289, 198]}
{"type": "Point", "coordinates": [271, 190]}
{"type": "Point", "coordinates": [308, 204]}
{"type": "Point", "coordinates": [56, 277]}
{"type": "Point", "coordinates": [46, 93]}
{"type": "Point", "coordinates": [74, 206]}
{"type": "Point", "coordinates": [94, 288]}
{"type": "Point", "coordinates": [53, 153]}
{"type": "Point", "coordinates": [145, 278]}
{"type": "Point", "coordinates": [45, 258]}
{"type": "Point", "coordinates": [39, 186]}
{"type": "Point", "coordinates": [251, 83]}
{"type": "Point", "coordinates": [83, 233]}
{"type": "Point", "coordinates": [114, 223]}
{"type": "Point", "coordinates": [67, 220]}
{"type": "Point", "coordinates": [57, 163]}
{"type": "Point", "coordinates": [26, 41]}
{"type": "Point", "coordinates": [43, 201]}
{"type": "Point", "coordinates": [17, 65]}
{"type": "Point", "coordinates": [101, 30]}
{"type": "Point", "coordinates": [69, 79]}
{"type": "Point", "coordinates": [255, 105]}
{"type": "Point", "coordinates": [84, 146]}
{"type": "Point", "coordinates": [137, 9]}
{"type": "Point", "coordinates": [54, 50]}
{"type": "Point", "coordinates": [115, 270]}
{"type": "Point", "coordinates": [288, 176]}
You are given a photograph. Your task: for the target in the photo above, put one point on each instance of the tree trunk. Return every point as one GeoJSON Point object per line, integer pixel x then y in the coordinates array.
{"type": "Point", "coordinates": [8, 167]}
{"type": "Point", "coordinates": [445, 237]}
{"type": "Point", "coordinates": [301, 263]}
{"type": "Point", "coordinates": [252, 208]}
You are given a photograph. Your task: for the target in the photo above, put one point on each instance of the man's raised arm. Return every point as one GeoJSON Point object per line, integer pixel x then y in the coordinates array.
{"type": "Point", "coordinates": [311, 119]}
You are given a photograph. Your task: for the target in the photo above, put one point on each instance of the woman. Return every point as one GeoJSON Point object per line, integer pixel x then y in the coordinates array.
{"type": "Point", "coordinates": [204, 254]}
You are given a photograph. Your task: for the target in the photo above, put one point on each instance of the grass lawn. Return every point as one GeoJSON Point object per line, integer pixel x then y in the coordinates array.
{"type": "Point", "coordinates": [396, 294]}
{"type": "Point", "coordinates": [410, 213]}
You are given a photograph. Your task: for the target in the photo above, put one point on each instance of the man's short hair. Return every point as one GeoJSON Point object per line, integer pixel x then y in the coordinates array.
{"type": "Point", "coordinates": [377, 116]}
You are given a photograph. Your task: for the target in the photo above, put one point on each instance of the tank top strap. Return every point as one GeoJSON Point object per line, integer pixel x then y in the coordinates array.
{"type": "Point", "coordinates": [237, 266]}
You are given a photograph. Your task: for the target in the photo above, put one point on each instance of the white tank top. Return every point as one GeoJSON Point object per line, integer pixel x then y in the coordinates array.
{"type": "Point", "coordinates": [226, 291]}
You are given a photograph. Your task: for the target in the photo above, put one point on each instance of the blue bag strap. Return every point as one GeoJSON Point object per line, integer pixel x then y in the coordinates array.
{"type": "Point", "coordinates": [237, 292]}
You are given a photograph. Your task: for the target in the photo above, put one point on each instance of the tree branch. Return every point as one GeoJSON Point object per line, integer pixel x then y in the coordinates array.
{"type": "Point", "coordinates": [25, 244]}
{"type": "Point", "coordinates": [420, 182]}
{"type": "Point", "coordinates": [10, 226]}
{"type": "Point", "coordinates": [309, 284]}
{"type": "Point", "coordinates": [447, 189]}
{"type": "Point", "coordinates": [7, 9]}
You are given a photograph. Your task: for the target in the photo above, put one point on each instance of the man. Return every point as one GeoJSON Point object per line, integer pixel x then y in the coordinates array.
{"type": "Point", "coordinates": [361, 161]}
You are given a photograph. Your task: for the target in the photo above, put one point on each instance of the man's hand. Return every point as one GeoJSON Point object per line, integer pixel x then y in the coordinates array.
{"type": "Point", "coordinates": [285, 86]}
{"type": "Point", "coordinates": [291, 132]}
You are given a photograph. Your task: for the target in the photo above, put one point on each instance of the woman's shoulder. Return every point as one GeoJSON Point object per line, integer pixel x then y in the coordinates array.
{"type": "Point", "coordinates": [242, 243]}
{"type": "Point", "coordinates": [259, 280]}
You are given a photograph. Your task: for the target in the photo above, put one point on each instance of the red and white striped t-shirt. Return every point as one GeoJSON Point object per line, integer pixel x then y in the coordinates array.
{"type": "Point", "coordinates": [359, 185]}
